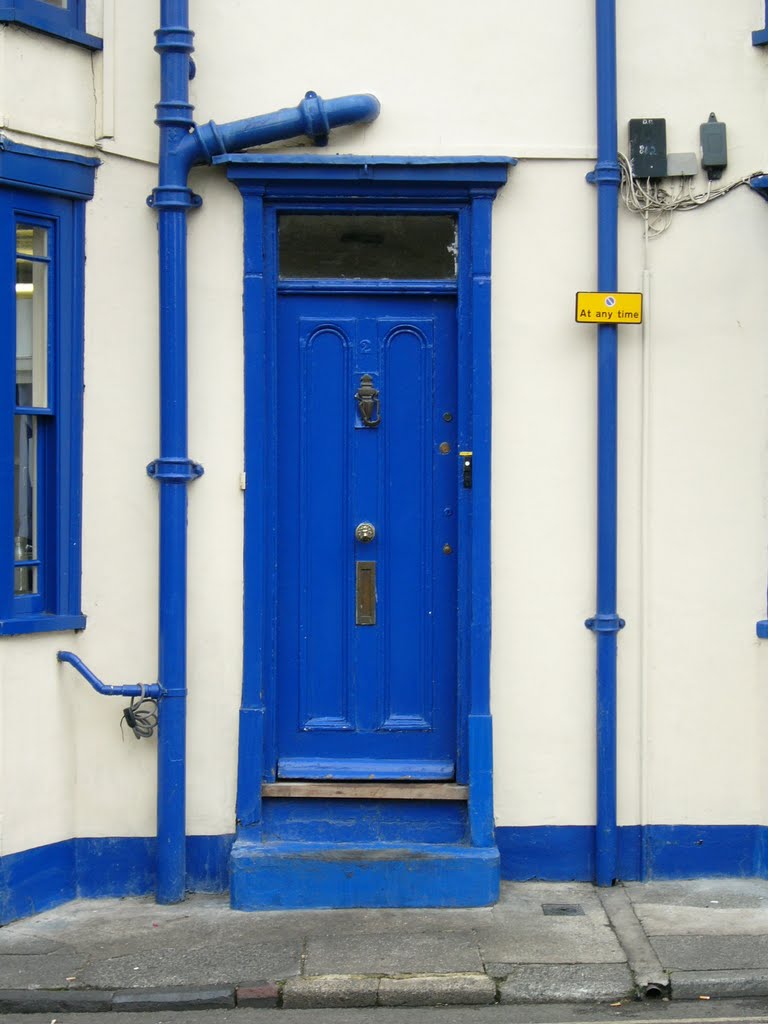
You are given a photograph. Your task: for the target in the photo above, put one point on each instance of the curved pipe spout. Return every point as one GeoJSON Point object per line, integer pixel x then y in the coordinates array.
{"type": "Point", "coordinates": [314, 117]}
{"type": "Point", "coordinates": [153, 690]}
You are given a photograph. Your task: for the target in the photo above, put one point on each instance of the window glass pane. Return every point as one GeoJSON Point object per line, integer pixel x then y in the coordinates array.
{"type": "Point", "coordinates": [25, 503]}
{"type": "Point", "coordinates": [31, 319]}
{"type": "Point", "coordinates": [56, 3]}
{"type": "Point", "coordinates": [31, 240]}
{"type": "Point", "coordinates": [369, 246]}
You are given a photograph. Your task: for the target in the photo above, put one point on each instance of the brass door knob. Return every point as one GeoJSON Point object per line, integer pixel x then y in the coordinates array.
{"type": "Point", "coordinates": [365, 532]}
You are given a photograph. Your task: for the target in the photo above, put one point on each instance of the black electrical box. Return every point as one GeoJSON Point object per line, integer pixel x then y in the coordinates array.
{"type": "Point", "coordinates": [714, 147]}
{"type": "Point", "coordinates": [648, 147]}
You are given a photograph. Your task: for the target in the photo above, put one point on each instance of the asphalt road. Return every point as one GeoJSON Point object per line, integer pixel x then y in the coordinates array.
{"type": "Point", "coordinates": [745, 1011]}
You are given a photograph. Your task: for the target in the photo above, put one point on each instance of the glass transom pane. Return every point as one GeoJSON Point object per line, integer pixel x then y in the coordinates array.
{"type": "Point", "coordinates": [369, 246]}
{"type": "Point", "coordinates": [57, 3]}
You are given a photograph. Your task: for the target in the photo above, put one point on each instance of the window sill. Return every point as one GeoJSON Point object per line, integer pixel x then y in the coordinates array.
{"type": "Point", "coordinates": [41, 624]}
{"type": "Point", "coordinates": [67, 32]}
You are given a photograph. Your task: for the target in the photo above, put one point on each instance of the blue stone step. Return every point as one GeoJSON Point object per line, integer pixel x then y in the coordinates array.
{"type": "Point", "coordinates": [316, 875]}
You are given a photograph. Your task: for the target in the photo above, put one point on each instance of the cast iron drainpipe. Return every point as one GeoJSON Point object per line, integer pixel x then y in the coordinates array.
{"type": "Point", "coordinates": [606, 622]}
{"type": "Point", "coordinates": [182, 145]}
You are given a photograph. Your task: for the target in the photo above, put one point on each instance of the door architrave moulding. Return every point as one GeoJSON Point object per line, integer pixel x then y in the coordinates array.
{"type": "Point", "coordinates": [465, 187]}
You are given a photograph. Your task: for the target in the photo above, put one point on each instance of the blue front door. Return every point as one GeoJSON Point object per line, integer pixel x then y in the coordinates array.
{"type": "Point", "coordinates": [366, 627]}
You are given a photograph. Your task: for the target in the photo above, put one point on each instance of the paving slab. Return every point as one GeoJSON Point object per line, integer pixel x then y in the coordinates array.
{"type": "Point", "coordinates": [40, 970]}
{"type": "Point", "coordinates": [518, 930]}
{"type": "Point", "coordinates": [734, 893]}
{"type": "Point", "coordinates": [677, 920]}
{"type": "Point", "coordinates": [397, 952]}
{"type": "Point", "coordinates": [184, 965]}
{"type": "Point", "coordinates": [711, 952]}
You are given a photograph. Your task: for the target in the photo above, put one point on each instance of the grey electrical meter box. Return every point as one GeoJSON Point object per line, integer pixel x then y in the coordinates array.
{"type": "Point", "coordinates": [648, 147]}
{"type": "Point", "coordinates": [714, 147]}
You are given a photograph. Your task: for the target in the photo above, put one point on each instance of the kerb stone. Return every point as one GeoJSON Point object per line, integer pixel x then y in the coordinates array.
{"type": "Point", "coordinates": [437, 990]}
{"type": "Point", "coordinates": [329, 991]}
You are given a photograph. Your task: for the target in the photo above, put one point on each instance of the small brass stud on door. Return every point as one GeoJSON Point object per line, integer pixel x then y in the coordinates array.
{"type": "Point", "coordinates": [447, 549]}
{"type": "Point", "coordinates": [444, 448]}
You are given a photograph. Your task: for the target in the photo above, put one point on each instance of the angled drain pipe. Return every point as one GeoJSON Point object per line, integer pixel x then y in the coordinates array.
{"type": "Point", "coordinates": [183, 144]}
{"type": "Point", "coordinates": [606, 623]}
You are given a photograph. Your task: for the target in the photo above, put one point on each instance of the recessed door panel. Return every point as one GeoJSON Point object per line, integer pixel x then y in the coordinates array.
{"type": "Point", "coordinates": [367, 479]}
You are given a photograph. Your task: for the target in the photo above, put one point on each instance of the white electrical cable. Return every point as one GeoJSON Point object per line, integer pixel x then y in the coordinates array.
{"type": "Point", "coordinates": [656, 202]}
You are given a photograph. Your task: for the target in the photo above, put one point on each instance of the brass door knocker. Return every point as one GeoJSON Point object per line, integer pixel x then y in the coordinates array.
{"type": "Point", "coordinates": [368, 404]}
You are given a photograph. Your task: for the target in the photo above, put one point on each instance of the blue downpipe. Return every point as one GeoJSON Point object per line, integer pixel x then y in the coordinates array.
{"type": "Point", "coordinates": [183, 144]}
{"type": "Point", "coordinates": [606, 622]}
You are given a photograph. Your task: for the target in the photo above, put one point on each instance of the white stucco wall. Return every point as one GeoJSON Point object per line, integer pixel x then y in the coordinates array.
{"type": "Point", "coordinates": [693, 425]}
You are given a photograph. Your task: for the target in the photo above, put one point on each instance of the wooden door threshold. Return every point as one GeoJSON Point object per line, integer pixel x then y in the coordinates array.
{"type": "Point", "coordinates": [367, 790]}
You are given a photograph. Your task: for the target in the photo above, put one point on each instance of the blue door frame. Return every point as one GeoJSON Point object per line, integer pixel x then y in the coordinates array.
{"type": "Point", "coordinates": [465, 188]}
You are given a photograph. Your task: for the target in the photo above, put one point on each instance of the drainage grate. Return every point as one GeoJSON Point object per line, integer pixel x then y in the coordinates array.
{"type": "Point", "coordinates": [563, 909]}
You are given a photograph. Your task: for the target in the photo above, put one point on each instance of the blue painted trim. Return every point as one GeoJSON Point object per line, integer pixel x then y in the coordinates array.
{"type": "Point", "coordinates": [47, 876]}
{"type": "Point", "coordinates": [47, 170]}
{"type": "Point", "coordinates": [65, 23]}
{"type": "Point", "coordinates": [761, 629]}
{"type": "Point", "coordinates": [465, 187]}
{"type": "Point", "coordinates": [350, 821]}
{"type": "Point", "coordinates": [760, 37]}
{"type": "Point", "coordinates": [35, 880]}
{"type": "Point", "coordinates": [444, 168]}
{"type": "Point", "coordinates": [567, 853]}
{"type": "Point", "coordinates": [43, 623]}
{"type": "Point", "coordinates": [362, 768]}
{"type": "Point", "coordinates": [62, 215]}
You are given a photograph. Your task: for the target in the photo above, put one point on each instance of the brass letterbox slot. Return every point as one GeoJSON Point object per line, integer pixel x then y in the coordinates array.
{"type": "Point", "coordinates": [365, 594]}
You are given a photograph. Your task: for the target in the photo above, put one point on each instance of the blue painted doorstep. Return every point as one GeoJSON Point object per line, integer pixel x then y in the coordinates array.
{"type": "Point", "coordinates": [290, 876]}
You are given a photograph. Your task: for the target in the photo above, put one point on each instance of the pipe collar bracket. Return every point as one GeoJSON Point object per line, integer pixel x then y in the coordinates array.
{"type": "Point", "coordinates": [315, 119]}
{"type": "Point", "coordinates": [605, 623]}
{"type": "Point", "coordinates": [172, 197]}
{"type": "Point", "coordinates": [174, 39]}
{"type": "Point", "coordinates": [175, 114]}
{"type": "Point", "coordinates": [175, 471]}
{"type": "Point", "coordinates": [606, 172]}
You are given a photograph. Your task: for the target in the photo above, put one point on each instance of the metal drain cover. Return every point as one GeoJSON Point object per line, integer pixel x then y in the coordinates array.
{"type": "Point", "coordinates": [563, 909]}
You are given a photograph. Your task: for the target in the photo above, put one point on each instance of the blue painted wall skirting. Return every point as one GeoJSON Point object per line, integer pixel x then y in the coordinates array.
{"type": "Point", "coordinates": [38, 879]}
{"type": "Point", "coordinates": [566, 852]}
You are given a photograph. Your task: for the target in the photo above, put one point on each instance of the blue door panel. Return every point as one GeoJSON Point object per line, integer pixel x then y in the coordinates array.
{"type": "Point", "coordinates": [407, 533]}
{"type": "Point", "coordinates": [366, 701]}
{"type": "Point", "coordinates": [323, 495]}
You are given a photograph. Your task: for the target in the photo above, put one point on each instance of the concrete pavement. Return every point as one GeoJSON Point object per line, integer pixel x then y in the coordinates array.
{"type": "Point", "coordinates": [541, 943]}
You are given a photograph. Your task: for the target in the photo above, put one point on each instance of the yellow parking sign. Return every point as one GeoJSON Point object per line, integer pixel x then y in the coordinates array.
{"type": "Point", "coordinates": [609, 307]}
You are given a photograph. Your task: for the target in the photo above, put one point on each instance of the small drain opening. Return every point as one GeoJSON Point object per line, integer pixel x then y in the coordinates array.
{"type": "Point", "coordinates": [563, 909]}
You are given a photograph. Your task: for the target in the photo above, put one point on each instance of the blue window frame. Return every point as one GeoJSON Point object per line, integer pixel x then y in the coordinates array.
{"type": "Point", "coordinates": [42, 258]}
{"type": "Point", "coordinates": [64, 18]}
